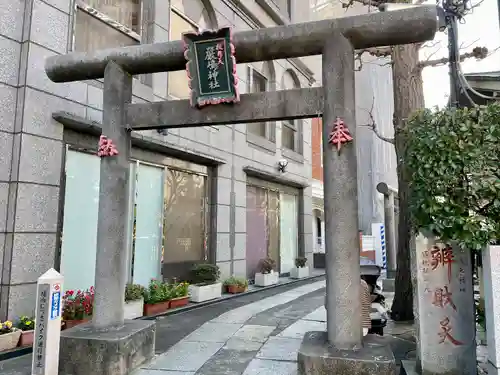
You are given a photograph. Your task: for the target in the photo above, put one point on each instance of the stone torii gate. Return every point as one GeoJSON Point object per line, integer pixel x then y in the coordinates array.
{"type": "Point", "coordinates": [336, 40]}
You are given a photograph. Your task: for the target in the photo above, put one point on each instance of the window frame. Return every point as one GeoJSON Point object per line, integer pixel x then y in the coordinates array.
{"type": "Point", "coordinates": [108, 21]}
{"type": "Point", "coordinates": [179, 13]}
{"type": "Point", "coordinates": [250, 74]}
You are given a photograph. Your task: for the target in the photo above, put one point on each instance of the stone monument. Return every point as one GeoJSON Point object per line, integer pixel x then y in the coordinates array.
{"type": "Point", "coordinates": [46, 340]}
{"type": "Point", "coordinates": [491, 282]}
{"type": "Point", "coordinates": [444, 316]}
{"type": "Point", "coordinates": [336, 40]}
{"type": "Point", "coordinates": [390, 232]}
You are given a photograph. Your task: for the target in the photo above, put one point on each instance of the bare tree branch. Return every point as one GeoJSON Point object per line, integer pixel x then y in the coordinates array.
{"type": "Point", "coordinates": [479, 53]}
{"type": "Point", "coordinates": [378, 52]}
{"type": "Point", "coordinates": [372, 125]}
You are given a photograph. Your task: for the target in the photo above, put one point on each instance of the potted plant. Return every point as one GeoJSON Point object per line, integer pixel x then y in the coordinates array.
{"type": "Point", "coordinates": [77, 307]}
{"type": "Point", "coordinates": [204, 283]}
{"type": "Point", "coordinates": [9, 336]}
{"type": "Point", "coordinates": [300, 270]}
{"type": "Point", "coordinates": [27, 327]}
{"type": "Point", "coordinates": [267, 276]}
{"type": "Point", "coordinates": [156, 298]}
{"type": "Point", "coordinates": [235, 285]}
{"type": "Point", "coordinates": [134, 301]}
{"type": "Point", "coordinates": [180, 295]}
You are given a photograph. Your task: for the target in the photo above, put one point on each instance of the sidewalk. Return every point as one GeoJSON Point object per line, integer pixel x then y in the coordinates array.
{"type": "Point", "coordinates": [173, 328]}
{"type": "Point", "coordinates": [262, 338]}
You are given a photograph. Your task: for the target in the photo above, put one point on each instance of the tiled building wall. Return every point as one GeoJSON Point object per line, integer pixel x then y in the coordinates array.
{"type": "Point", "coordinates": [31, 160]}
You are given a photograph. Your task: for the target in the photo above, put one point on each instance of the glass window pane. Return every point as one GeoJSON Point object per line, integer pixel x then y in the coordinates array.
{"type": "Point", "coordinates": [289, 232]}
{"type": "Point", "coordinates": [148, 224]}
{"type": "Point", "coordinates": [259, 84]}
{"type": "Point", "coordinates": [287, 137]}
{"type": "Point", "coordinates": [184, 217]}
{"type": "Point", "coordinates": [81, 206]}
{"type": "Point", "coordinates": [177, 81]}
{"type": "Point", "coordinates": [91, 34]}
{"type": "Point", "coordinates": [256, 217]}
{"type": "Point", "coordinates": [125, 12]}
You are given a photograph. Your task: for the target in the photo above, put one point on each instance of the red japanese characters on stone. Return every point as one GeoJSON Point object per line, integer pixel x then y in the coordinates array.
{"type": "Point", "coordinates": [442, 257]}
{"type": "Point", "coordinates": [445, 333]}
{"type": "Point", "coordinates": [442, 298]}
{"type": "Point", "coordinates": [340, 134]}
{"type": "Point", "coordinates": [106, 147]}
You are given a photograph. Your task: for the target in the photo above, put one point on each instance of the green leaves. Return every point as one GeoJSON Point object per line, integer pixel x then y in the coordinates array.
{"type": "Point", "coordinates": [453, 159]}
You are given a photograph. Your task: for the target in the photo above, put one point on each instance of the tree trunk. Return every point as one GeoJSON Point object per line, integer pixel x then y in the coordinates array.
{"type": "Point", "coordinates": [408, 97]}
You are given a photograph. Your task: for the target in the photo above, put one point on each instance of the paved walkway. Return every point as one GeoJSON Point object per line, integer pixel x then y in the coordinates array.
{"type": "Point", "coordinates": [262, 338]}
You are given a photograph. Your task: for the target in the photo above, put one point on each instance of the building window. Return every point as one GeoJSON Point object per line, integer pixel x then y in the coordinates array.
{"type": "Point", "coordinates": [177, 81]}
{"type": "Point", "coordinates": [184, 19]}
{"type": "Point", "coordinates": [258, 83]}
{"type": "Point", "coordinates": [261, 81]}
{"type": "Point", "coordinates": [101, 24]}
{"type": "Point", "coordinates": [291, 129]}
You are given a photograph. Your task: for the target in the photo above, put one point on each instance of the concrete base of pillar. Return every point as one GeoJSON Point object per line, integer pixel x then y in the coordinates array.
{"type": "Point", "coordinates": [317, 357]}
{"type": "Point", "coordinates": [116, 351]}
{"type": "Point", "coordinates": [408, 367]}
{"type": "Point", "coordinates": [388, 284]}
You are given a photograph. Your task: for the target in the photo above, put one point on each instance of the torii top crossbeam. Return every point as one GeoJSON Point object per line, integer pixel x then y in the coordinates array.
{"type": "Point", "coordinates": [406, 26]}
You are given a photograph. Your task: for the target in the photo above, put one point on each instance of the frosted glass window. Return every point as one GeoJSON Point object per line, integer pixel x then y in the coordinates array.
{"type": "Point", "coordinates": [289, 234]}
{"type": "Point", "coordinates": [148, 224]}
{"type": "Point", "coordinates": [81, 206]}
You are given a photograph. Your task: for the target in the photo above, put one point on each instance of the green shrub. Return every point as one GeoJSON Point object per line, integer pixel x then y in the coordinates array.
{"type": "Point", "coordinates": [238, 281]}
{"type": "Point", "coordinates": [134, 292]}
{"type": "Point", "coordinates": [300, 262]}
{"type": "Point", "coordinates": [157, 292]}
{"type": "Point", "coordinates": [205, 274]}
{"type": "Point", "coordinates": [267, 265]}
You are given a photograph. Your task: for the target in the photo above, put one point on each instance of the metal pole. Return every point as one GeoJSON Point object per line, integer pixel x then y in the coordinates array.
{"type": "Point", "coordinates": [343, 303]}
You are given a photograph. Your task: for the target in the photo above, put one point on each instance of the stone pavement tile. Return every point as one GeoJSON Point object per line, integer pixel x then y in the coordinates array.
{"type": "Point", "coordinates": [161, 372]}
{"type": "Point", "coordinates": [268, 367]}
{"type": "Point", "coordinates": [213, 332]}
{"type": "Point", "coordinates": [254, 332]}
{"type": "Point", "coordinates": [235, 343]}
{"type": "Point", "coordinates": [318, 315]}
{"type": "Point", "coordinates": [298, 329]}
{"type": "Point", "coordinates": [242, 314]}
{"type": "Point", "coordinates": [283, 349]}
{"type": "Point", "coordinates": [238, 315]}
{"type": "Point", "coordinates": [227, 362]}
{"type": "Point", "coordinates": [185, 356]}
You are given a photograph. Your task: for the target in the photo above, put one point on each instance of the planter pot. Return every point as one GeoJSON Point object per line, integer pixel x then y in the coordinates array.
{"type": "Point", "coordinates": [26, 338]}
{"type": "Point", "coordinates": [134, 309]}
{"type": "Point", "coordinates": [201, 293]}
{"type": "Point", "coordinates": [156, 308]}
{"type": "Point", "coordinates": [179, 302]}
{"type": "Point", "coordinates": [299, 272]}
{"type": "Point", "coordinates": [9, 341]}
{"type": "Point", "coordinates": [72, 323]}
{"type": "Point", "coordinates": [266, 279]}
{"type": "Point", "coordinates": [235, 289]}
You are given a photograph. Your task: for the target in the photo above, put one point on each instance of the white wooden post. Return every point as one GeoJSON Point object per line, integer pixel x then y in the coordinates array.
{"type": "Point", "coordinates": [48, 324]}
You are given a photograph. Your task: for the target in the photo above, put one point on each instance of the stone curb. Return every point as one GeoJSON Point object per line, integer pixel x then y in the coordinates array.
{"type": "Point", "coordinates": [194, 306]}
